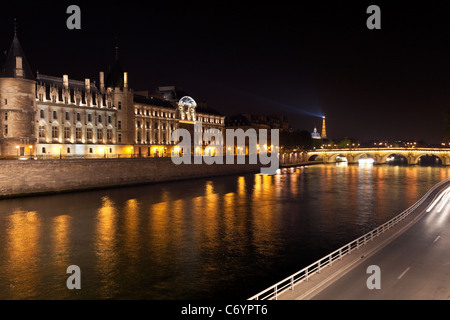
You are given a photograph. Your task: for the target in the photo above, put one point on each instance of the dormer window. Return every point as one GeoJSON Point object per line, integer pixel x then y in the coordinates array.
{"type": "Point", "coordinates": [19, 70]}
{"type": "Point", "coordinates": [18, 62]}
{"type": "Point", "coordinates": [54, 94]}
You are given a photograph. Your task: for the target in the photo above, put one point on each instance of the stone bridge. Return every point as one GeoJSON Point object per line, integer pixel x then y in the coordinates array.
{"type": "Point", "coordinates": [380, 155]}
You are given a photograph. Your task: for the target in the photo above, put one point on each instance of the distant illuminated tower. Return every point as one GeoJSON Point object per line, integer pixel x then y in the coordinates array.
{"type": "Point", "coordinates": [324, 131]}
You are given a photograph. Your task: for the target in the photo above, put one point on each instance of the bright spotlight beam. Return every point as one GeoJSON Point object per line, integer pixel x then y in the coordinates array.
{"type": "Point", "coordinates": [279, 104]}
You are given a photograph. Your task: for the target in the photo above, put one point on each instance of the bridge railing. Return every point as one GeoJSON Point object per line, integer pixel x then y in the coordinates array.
{"type": "Point", "coordinates": [288, 283]}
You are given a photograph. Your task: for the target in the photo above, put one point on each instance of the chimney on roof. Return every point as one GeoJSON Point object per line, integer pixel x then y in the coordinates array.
{"type": "Point", "coordinates": [125, 80]}
{"type": "Point", "coordinates": [102, 81]}
{"type": "Point", "coordinates": [87, 84]}
{"type": "Point", "coordinates": [66, 81]}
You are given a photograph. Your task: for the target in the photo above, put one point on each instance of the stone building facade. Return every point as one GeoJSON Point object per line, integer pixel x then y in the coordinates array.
{"type": "Point", "coordinates": [48, 117]}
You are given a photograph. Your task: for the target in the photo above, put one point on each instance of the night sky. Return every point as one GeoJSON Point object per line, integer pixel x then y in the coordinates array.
{"type": "Point", "coordinates": [294, 58]}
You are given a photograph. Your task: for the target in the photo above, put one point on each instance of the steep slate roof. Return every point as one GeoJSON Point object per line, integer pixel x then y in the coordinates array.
{"type": "Point", "coordinates": [114, 78]}
{"type": "Point", "coordinates": [58, 82]}
{"type": "Point", "coordinates": [237, 120]}
{"type": "Point", "coordinates": [207, 110]}
{"type": "Point", "coordinates": [153, 101]}
{"type": "Point", "coordinates": [174, 93]}
{"type": "Point", "coordinates": [74, 85]}
{"type": "Point", "coordinates": [9, 66]}
{"type": "Point", "coordinates": [171, 92]}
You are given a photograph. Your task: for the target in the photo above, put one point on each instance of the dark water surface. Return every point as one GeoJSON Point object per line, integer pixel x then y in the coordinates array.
{"type": "Point", "coordinates": [224, 237]}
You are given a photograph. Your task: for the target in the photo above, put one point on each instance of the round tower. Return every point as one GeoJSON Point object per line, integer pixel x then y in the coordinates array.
{"type": "Point", "coordinates": [17, 104]}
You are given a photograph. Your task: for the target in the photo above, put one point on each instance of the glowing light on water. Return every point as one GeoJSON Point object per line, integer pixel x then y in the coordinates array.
{"type": "Point", "coordinates": [366, 161]}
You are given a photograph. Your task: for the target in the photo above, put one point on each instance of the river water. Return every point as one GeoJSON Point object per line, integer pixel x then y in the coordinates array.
{"type": "Point", "coordinates": [220, 238]}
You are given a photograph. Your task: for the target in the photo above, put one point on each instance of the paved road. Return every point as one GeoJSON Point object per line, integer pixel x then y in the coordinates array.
{"type": "Point", "coordinates": [415, 265]}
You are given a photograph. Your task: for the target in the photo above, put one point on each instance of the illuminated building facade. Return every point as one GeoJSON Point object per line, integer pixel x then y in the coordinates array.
{"type": "Point", "coordinates": [46, 116]}
{"type": "Point", "coordinates": [157, 116]}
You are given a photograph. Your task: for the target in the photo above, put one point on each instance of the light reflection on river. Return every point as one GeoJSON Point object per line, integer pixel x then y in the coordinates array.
{"type": "Point", "coordinates": [224, 237]}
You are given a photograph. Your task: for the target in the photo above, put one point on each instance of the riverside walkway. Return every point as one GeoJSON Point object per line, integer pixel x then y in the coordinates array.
{"type": "Point", "coordinates": [410, 250]}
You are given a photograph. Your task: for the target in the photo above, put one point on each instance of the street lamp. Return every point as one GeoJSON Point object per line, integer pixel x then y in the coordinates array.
{"type": "Point", "coordinates": [17, 147]}
{"type": "Point", "coordinates": [105, 152]}
{"type": "Point", "coordinates": [131, 152]}
{"type": "Point", "coordinates": [31, 147]}
{"type": "Point", "coordinates": [60, 147]}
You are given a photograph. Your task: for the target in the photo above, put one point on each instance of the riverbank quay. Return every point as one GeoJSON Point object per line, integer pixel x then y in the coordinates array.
{"type": "Point", "coordinates": [33, 177]}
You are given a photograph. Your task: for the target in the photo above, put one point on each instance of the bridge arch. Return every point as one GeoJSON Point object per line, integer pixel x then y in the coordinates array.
{"type": "Point", "coordinates": [380, 155]}
{"type": "Point", "coordinates": [336, 157]}
{"type": "Point", "coordinates": [394, 158]}
{"type": "Point", "coordinates": [363, 155]}
{"type": "Point", "coordinates": [429, 159]}
{"type": "Point", "coordinates": [315, 157]}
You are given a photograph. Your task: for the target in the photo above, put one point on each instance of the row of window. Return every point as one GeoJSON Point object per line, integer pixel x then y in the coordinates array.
{"type": "Point", "coordinates": [165, 114]}
{"type": "Point", "coordinates": [155, 113]}
{"type": "Point", "coordinates": [210, 120]}
{"type": "Point", "coordinates": [158, 138]}
{"type": "Point", "coordinates": [89, 102]}
{"type": "Point", "coordinates": [156, 125]}
{"type": "Point", "coordinates": [78, 133]}
{"type": "Point", "coordinates": [78, 116]}
{"type": "Point", "coordinates": [5, 130]}
{"type": "Point", "coordinates": [147, 138]}
{"type": "Point", "coordinates": [91, 150]}
{"type": "Point", "coordinates": [163, 126]}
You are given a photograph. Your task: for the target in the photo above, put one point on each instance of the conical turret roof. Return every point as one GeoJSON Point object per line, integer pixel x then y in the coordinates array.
{"type": "Point", "coordinates": [13, 67]}
{"type": "Point", "coordinates": [114, 78]}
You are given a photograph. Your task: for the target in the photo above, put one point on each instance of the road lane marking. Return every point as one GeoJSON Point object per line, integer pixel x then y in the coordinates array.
{"type": "Point", "coordinates": [437, 238]}
{"type": "Point", "coordinates": [403, 273]}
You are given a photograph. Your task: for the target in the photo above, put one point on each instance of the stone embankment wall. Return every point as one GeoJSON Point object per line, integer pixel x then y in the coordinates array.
{"type": "Point", "coordinates": [27, 177]}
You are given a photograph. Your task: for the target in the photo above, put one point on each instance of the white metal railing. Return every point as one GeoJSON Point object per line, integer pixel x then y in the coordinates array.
{"type": "Point", "coordinates": [304, 274]}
